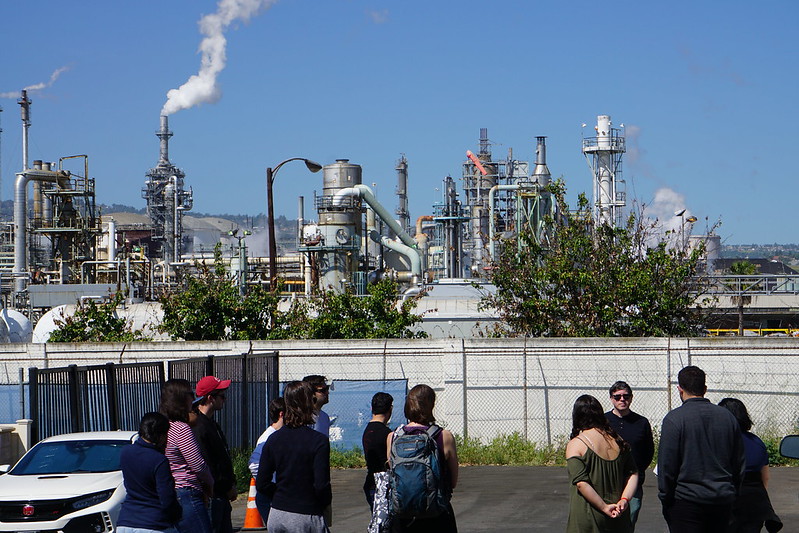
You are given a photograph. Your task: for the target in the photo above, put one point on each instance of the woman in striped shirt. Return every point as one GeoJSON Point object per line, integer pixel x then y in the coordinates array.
{"type": "Point", "coordinates": [193, 480]}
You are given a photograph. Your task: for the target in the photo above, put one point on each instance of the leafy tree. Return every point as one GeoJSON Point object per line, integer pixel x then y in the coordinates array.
{"type": "Point", "coordinates": [209, 307]}
{"type": "Point", "coordinates": [594, 280]}
{"type": "Point", "coordinates": [96, 322]}
{"type": "Point", "coordinates": [743, 268]}
{"type": "Point", "coordinates": [345, 315]}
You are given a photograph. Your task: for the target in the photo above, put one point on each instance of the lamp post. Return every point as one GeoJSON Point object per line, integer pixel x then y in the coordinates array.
{"type": "Point", "coordinates": [270, 180]}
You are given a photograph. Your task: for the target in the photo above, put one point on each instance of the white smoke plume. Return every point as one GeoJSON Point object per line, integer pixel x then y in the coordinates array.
{"type": "Point", "coordinates": [202, 88]}
{"type": "Point", "coordinates": [38, 86]}
{"type": "Point", "coordinates": [664, 208]}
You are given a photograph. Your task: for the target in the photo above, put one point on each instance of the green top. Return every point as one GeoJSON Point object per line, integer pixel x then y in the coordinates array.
{"type": "Point", "coordinates": [608, 478]}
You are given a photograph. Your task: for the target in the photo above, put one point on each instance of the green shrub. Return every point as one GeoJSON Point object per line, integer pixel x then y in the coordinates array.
{"type": "Point", "coordinates": [340, 458]}
{"type": "Point", "coordinates": [510, 449]}
{"type": "Point", "coordinates": [241, 468]}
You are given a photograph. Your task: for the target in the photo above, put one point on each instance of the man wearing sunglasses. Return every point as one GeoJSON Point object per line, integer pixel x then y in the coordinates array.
{"type": "Point", "coordinates": [211, 395]}
{"type": "Point", "coordinates": [634, 429]}
{"type": "Point", "coordinates": [321, 397]}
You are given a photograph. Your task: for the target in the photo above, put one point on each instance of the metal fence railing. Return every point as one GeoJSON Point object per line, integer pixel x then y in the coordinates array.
{"type": "Point", "coordinates": [115, 396]}
{"type": "Point", "coordinates": [92, 398]}
{"type": "Point", "coordinates": [255, 384]}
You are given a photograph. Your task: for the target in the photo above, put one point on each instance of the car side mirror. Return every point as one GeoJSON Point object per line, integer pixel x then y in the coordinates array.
{"type": "Point", "coordinates": [789, 447]}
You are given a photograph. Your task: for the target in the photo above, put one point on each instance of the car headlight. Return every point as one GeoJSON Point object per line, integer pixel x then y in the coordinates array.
{"type": "Point", "coordinates": [92, 499]}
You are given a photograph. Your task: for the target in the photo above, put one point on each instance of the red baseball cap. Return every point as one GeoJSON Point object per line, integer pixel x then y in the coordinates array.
{"type": "Point", "coordinates": [209, 384]}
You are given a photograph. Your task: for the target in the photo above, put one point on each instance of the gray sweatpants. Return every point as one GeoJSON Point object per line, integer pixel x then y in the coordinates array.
{"type": "Point", "coordinates": [285, 522]}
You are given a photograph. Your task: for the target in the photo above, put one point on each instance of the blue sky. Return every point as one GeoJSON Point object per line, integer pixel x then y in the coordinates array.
{"type": "Point", "coordinates": [707, 91]}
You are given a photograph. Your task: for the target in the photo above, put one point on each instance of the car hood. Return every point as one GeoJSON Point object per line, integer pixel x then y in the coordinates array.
{"type": "Point", "coordinates": [55, 486]}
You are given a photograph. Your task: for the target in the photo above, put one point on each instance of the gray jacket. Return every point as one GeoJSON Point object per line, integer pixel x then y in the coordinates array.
{"type": "Point", "coordinates": [701, 457]}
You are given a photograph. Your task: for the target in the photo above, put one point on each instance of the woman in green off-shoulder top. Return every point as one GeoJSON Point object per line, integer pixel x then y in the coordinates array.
{"type": "Point", "coordinates": [602, 472]}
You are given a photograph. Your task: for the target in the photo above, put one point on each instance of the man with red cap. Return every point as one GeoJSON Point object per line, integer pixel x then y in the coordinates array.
{"type": "Point", "coordinates": [211, 394]}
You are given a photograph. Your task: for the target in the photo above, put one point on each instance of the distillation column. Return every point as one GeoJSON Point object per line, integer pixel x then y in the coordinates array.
{"type": "Point", "coordinates": [403, 214]}
{"type": "Point", "coordinates": [604, 153]}
{"type": "Point", "coordinates": [167, 200]}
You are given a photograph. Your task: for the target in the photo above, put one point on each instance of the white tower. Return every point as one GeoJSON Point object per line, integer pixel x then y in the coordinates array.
{"type": "Point", "coordinates": [603, 154]}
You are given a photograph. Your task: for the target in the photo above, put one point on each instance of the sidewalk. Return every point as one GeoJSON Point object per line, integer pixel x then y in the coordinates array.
{"type": "Point", "coordinates": [521, 499]}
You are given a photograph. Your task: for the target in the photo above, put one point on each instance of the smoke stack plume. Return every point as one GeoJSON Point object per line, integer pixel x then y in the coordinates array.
{"type": "Point", "coordinates": [202, 87]}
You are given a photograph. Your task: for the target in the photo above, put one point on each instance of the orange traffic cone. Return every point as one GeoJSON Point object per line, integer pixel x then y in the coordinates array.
{"type": "Point", "coordinates": [252, 518]}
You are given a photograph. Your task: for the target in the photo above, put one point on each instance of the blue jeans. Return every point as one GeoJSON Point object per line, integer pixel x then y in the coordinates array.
{"type": "Point", "coordinates": [195, 513]}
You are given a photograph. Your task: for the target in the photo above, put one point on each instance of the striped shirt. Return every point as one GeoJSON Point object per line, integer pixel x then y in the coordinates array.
{"type": "Point", "coordinates": [185, 460]}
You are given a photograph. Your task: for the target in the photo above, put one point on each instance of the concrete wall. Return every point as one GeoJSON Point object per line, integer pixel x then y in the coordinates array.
{"type": "Point", "coordinates": [489, 387]}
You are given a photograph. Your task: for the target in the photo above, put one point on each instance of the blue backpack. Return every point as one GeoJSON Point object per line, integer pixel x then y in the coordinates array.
{"type": "Point", "coordinates": [416, 485]}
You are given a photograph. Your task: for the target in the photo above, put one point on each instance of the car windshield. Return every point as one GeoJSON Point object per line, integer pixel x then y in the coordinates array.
{"type": "Point", "coordinates": [67, 457]}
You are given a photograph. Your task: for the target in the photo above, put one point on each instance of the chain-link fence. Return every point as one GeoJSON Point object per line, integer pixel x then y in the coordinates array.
{"type": "Point", "coordinates": [491, 387]}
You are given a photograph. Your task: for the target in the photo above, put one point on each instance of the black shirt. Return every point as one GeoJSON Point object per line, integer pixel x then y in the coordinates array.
{"type": "Point", "coordinates": [635, 429]}
{"type": "Point", "coordinates": [213, 446]}
{"type": "Point", "coordinates": [301, 458]}
{"type": "Point", "coordinates": [374, 451]}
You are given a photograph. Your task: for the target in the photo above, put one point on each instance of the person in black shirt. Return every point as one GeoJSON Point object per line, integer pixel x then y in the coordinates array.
{"type": "Point", "coordinates": [374, 441]}
{"type": "Point", "coordinates": [211, 395]}
{"type": "Point", "coordinates": [637, 432]}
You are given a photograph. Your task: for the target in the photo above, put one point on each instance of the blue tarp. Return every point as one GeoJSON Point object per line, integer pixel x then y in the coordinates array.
{"type": "Point", "coordinates": [350, 408]}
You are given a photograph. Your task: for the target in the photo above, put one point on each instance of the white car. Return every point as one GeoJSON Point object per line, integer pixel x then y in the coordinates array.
{"type": "Point", "coordinates": [66, 484]}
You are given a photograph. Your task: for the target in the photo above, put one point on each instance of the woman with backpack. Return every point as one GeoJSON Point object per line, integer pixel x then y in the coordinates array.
{"type": "Point", "coordinates": [299, 458]}
{"type": "Point", "coordinates": [409, 514]}
{"type": "Point", "coordinates": [602, 472]}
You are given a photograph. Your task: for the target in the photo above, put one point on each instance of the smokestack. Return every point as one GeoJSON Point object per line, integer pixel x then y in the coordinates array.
{"type": "Point", "coordinates": [541, 172]}
{"type": "Point", "coordinates": [164, 134]}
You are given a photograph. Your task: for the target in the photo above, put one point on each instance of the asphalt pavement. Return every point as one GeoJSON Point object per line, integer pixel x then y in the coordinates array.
{"type": "Point", "coordinates": [522, 499]}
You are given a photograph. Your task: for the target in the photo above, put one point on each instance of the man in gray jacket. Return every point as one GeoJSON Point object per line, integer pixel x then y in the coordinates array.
{"type": "Point", "coordinates": [700, 462]}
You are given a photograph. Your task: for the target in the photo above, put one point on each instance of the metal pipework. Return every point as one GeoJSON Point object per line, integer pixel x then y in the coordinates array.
{"type": "Point", "coordinates": [411, 253]}
{"type": "Point", "coordinates": [421, 239]}
{"type": "Point", "coordinates": [491, 192]}
{"type": "Point", "coordinates": [366, 194]}
{"type": "Point", "coordinates": [59, 177]}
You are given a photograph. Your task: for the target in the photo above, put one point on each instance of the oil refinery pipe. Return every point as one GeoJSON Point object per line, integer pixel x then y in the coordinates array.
{"type": "Point", "coordinates": [421, 239]}
{"type": "Point", "coordinates": [368, 196]}
{"type": "Point", "coordinates": [61, 177]}
{"type": "Point", "coordinates": [411, 253]}
{"type": "Point", "coordinates": [491, 193]}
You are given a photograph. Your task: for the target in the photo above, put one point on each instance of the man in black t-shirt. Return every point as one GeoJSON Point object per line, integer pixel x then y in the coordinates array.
{"type": "Point", "coordinates": [635, 429]}
{"type": "Point", "coordinates": [375, 436]}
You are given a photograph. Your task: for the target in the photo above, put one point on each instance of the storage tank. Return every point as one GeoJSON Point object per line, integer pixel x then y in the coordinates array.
{"type": "Point", "coordinates": [18, 326]}
{"type": "Point", "coordinates": [339, 226]}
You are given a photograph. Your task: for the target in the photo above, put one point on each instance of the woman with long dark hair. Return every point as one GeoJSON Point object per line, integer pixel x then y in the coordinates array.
{"type": "Point", "coordinates": [602, 472]}
{"type": "Point", "coordinates": [193, 480]}
{"type": "Point", "coordinates": [299, 458]}
{"type": "Point", "coordinates": [753, 508]}
{"type": "Point", "coordinates": [419, 404]}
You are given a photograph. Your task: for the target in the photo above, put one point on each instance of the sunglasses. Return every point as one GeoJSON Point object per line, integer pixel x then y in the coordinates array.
{"type": "Point", "coordinates": [323, 389]}
{"type": "Point", "coordinates": [618, 397]}
{"type": "Point", "coordinates": [220, 395]}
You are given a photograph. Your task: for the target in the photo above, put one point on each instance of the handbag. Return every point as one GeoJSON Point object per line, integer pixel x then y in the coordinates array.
{"type": "Point", "coordinates": [381, 519]}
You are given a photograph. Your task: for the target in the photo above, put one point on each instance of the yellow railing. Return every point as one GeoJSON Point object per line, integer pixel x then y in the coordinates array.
{"type": "Point", "coordinates": [760, 332]}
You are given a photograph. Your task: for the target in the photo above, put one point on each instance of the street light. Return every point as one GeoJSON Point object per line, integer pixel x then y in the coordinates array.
{"type": "Point", "coordinates": [270, 180]}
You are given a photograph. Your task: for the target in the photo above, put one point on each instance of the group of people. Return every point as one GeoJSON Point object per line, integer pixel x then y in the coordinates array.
{"type": "Point", "coordinates": [178, 474]}
{"type": "Point", "coordinates": [712, 471]}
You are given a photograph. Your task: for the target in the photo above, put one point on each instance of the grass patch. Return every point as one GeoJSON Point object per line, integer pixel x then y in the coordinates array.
{"type": "Point", "coordinates": [511, 450]}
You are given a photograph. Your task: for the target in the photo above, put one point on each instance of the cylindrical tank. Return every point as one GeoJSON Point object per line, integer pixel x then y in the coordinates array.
{"type": "Point", "coordinates": [339, 175]}
{"type": "Point", "coordinates": [339, 226]}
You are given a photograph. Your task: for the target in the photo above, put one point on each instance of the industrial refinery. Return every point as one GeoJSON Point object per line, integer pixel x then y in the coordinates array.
{"type": "Point", "coordinates": [65, 251]}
